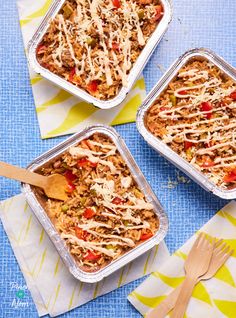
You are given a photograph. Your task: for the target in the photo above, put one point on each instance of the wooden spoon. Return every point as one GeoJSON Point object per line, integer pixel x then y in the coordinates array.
{"type": "Point", "coordinates": [54, 185]}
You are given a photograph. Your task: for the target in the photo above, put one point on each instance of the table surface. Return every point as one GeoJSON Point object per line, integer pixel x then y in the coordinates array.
{"type": "Point", "coordinates": [206, 23]}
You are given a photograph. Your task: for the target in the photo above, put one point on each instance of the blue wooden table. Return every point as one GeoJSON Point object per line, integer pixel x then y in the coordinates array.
{"type": "Point", "coordinates": [205, 23]}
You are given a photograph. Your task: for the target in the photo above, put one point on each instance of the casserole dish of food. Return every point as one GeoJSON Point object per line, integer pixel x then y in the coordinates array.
{"type": "Point", "coordinates": [111, 215]}
{"type": "Point", "coordinates": [189, 117]}
{"type": "Point", "coordinates": [96, 50]}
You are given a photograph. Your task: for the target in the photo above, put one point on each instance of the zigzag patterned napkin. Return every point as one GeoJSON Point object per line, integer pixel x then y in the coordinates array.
{"type": "Point", "coordinates": [53, 288]}
{"type": "Point", "coordinates": [215, 298]}
{"type": "Point", "coordinates": [60, 113]}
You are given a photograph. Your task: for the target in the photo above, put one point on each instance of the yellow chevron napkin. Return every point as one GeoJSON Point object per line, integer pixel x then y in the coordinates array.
{"type": "Point", "coordinates": [215, 298]}
{"type": "Point", "coordinates": [60, 113]}
{"type": "Point", "coordinates": [53, 289]}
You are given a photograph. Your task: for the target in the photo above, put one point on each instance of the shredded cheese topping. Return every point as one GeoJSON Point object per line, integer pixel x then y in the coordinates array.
{"type": "Point", "coordinates": [106, 214]}
{"type": "Point", "coordinates": [197, 119]}
{"type": "Point", "coordinates": [100, 38]}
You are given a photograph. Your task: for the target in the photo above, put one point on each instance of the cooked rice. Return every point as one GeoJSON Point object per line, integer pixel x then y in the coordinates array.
{"type": "Point", "coordinates": [94, 44]}
{"type": "Point", "coordinates": [106, 214]}
{"type": "Point", "coordinates": [195, 116]}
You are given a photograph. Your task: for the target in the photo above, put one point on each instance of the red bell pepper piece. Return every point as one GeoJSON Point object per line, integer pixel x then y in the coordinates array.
{"type": "Point", "coordinates": [208, 163]}
{"type": "Point", "coordinates": [70, 187]}
{"type": "Point", "coordinates": [115, 46]}
{"type": "Point", "coordinates": [146, 236]}
{"type": "Point", "coordinates": [116, 3]}
{"type": "Point", "coordinates": [81, 234]}
{"type": "Point", "coordinates": [117, 201]}
{"type": "Point", "coordinates": [72, 74]}
{"type": "Point", "coordinates": [206, 107]}
{"type": "Point", "coordinates": [92, 86]}
{"type": "Point", "coordinates": [233, 95]}
{"type": "Point", "coordinates": [70, 176]}
{"type": "Point", "coordinates": [183, 92]}
{"type": "Point", "coordinates": [83, 162]}
{"type": "Point", "coordinates": [159, 12]}
{"type": "Point", "coordinates": [46, 65]}
{"type": "Point", "coordinates": [89, 213]}
{"type": "Point", "coordinates": [92, 256]}
{"type": "Point", "coordinates": [93, 164]}
{"type": "Point", "coordinates": [230, 177]}
{"type": "Point", "coordinates": [40, 48]}
{"type": "Point", "coordinates": [187, 144]}
{"type": "Point", "coordinates": [163, 108]}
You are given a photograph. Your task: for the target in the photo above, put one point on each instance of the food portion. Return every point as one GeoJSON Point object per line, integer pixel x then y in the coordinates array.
{"type": "Point", "coordinates": [106, 214]}
{"type": "Point", "coordinates": [94, 44]}
{"type": "Point", "coordinates": [196, 117]}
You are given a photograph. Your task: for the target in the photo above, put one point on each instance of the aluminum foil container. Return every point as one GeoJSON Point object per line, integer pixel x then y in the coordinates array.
{"type": "Point", "coordinates": [36, 204]}
{"type": "Point", "coordinates": [80, 93]}
{"type": "Point", "coordinates": [161, 147]}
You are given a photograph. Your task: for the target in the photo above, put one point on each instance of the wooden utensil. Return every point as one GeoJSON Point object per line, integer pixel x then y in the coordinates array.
{"type": "Point", "coordinates": [54, 185]}
{"type": "Point", "coordinates": [220, 255]}
{"type": "Point", "coordinates": [196, 265]}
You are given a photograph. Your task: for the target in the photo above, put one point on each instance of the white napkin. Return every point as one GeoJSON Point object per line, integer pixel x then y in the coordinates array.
{"type": "Point", "coordinates": [215, 298]}
{"type": "Point", "coordinates": [53, 288]}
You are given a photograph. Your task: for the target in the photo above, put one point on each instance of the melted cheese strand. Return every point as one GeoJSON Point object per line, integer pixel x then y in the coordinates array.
{"type": "Point", "coordinates": [195, 73]}
{"type": "Point", "coordinates": [93, 224]}
{"type": "Point", "coordinates": [111, 215]}
{"type": "Point", "coordinates": [88, 245]}
{"type": "Point", "coordinates": [176, 127]}
{"type": "Point", "coordinates": [62, 21]}
{"type": "Point", "coordinates": [128, 241]}
{"type": "Point", "coordinates": [195, 114]}
{"type": "Point", "coordinates": [77, 152]}
{"type": "Point", "coordinates": [143, 205]}
{"type": "Point", "coordinates": [204, 151]}
{"type": "Point", "coordinates": [200, 131]}
{"type": "Point", "coordinates": [212, 83]}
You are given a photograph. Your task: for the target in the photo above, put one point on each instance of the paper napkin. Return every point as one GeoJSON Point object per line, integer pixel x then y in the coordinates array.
{"type": "Point", "coordinates": [215, 298]}
{"type": "Point", "coordinates": [60, 113]}
{"type": "Point", "coordinates": [53, 288]}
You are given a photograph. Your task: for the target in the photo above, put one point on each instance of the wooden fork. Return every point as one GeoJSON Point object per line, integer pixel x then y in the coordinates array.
{"type": "Point", "coordinates": [220, 255]}
{"type": "Point", "coordinates": [196, 265]}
